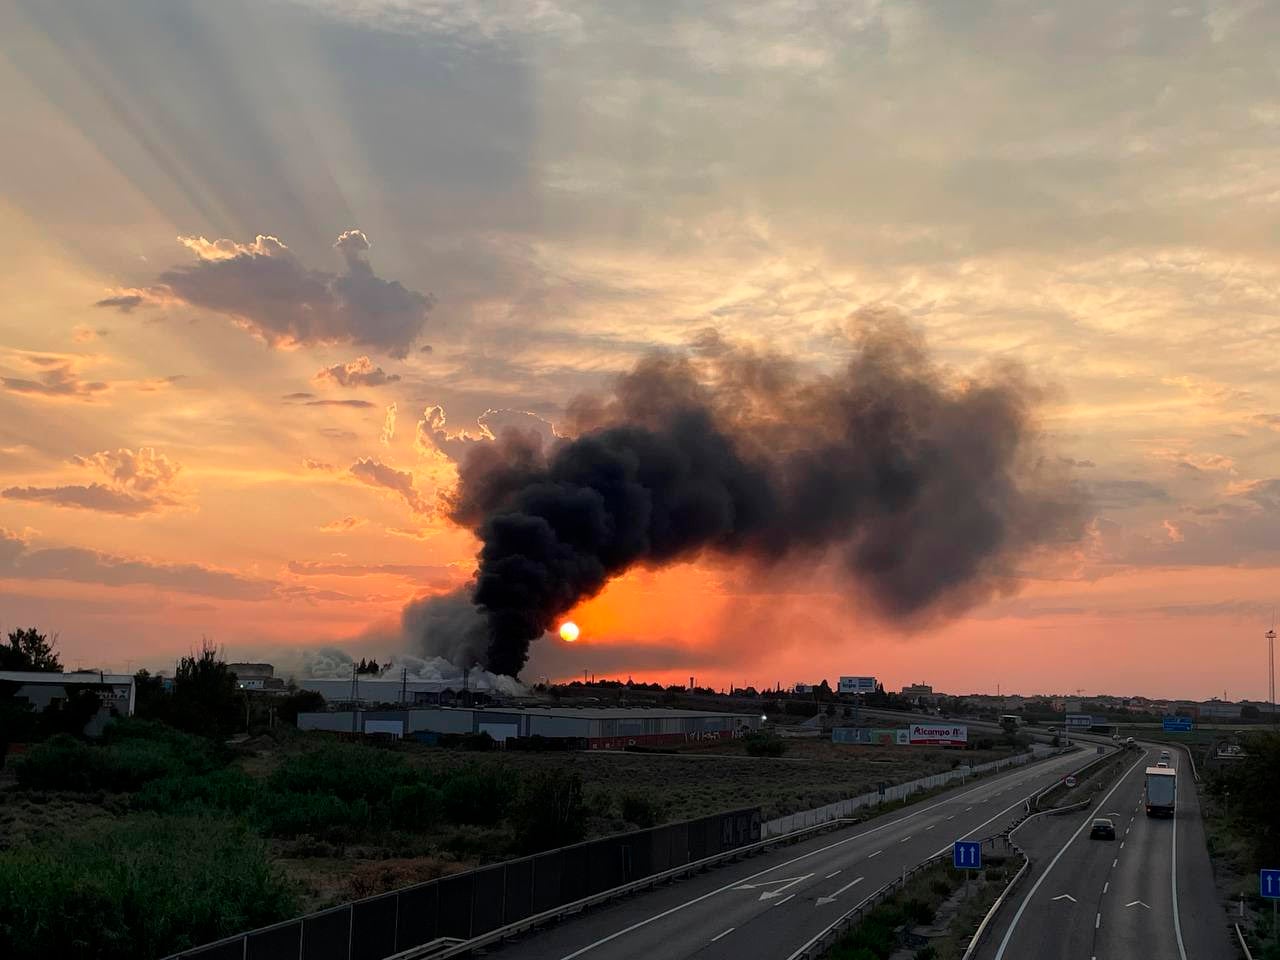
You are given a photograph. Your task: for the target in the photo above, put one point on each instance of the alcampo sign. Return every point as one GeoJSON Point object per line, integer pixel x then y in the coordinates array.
{"type": "Point", "coordinates": [939, 734]}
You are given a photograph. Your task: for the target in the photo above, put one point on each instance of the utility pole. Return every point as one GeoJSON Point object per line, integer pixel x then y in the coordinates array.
{"type": "Point", "coordinates": [404, 685]}
{"type": "Point", "coordinates": [1271, 671]}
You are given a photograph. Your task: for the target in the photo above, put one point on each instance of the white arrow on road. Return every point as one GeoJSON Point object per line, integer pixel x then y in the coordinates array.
{"type": "Point", "coordinates": [831, 898]}
{"type": "Point", "coordinates": [1137, 903]}
{"type": "Point", "coordinates": [1065, 896]}
{"type": "Point", "coordinates": [770, 894]}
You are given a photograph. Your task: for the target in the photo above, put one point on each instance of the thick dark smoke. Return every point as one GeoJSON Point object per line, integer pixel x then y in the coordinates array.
{"type": "Point", "coordinates": [927, 488]}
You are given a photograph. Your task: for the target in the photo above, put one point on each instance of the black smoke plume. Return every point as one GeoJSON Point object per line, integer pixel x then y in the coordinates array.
{"type": "Point", "coordinates": [927, 488]}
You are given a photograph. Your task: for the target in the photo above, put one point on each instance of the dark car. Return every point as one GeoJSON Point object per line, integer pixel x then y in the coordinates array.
{"type": "Point", "coordinates": [1103, 829]}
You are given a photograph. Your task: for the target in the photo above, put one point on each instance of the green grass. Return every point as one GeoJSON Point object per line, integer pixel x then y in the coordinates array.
{"type": "Point", "coordinates": [142, 887]}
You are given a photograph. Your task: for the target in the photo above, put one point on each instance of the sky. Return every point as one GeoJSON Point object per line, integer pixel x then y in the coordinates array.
{"type": "Point", "coordinates": [261, 264]}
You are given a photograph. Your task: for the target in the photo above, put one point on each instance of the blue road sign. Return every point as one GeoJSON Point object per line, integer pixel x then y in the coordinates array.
{"type": "Point", "coordinates": [967, 854]}
{"type": "Point", "coordinates": [1269, 884]}
{"type": "Point", "coordinates": [1177, 724]}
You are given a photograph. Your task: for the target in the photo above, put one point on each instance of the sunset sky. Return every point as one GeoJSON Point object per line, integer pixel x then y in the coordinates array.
{"type": "Point", "coordinates": [251, 253]}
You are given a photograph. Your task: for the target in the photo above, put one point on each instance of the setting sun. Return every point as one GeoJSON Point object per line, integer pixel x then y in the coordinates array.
{"type": "Point", "coordinates": [569, 631]}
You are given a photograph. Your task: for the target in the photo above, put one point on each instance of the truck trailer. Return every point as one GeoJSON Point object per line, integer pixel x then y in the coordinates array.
{"type": "Point", "coordinates": [1162, 789]}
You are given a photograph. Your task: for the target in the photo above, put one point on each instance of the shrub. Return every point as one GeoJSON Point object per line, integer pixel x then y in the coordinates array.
{"type": "Point", "coordinates": [479, 795]}
{"type": "Point", "coordinates": [230, 790]}
{"type": "Point", "coordinates": [60, 763]}
{"type": "Point", "coordinates": [121, 892]}
{"type": "Point", "coordinates": [416, 806]}
{"type": "Point", "coordinates": [344, 770]}
{"type": "Point", "coordinates": [641, 809]}
{"type": "Point", "coordinates": [292, 814]}
{"type": "Point", "coordinates": [550, 811]}
{"type": "Point", "coordinates": [918, 912]}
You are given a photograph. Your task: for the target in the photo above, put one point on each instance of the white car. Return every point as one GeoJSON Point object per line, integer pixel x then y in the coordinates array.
{"type": "Point", "coordinates": [1163, 763]}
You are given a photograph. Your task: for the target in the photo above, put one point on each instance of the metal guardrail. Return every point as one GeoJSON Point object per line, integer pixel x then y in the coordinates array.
{"type": "Point", "coordinates": [978, 934]}
{"type": "Point", "coordinates": [1101, 758]}
{"type": "Point", "coordinates": [1244, 947]}
{"type": "Point", "coordinates": [528, 923]}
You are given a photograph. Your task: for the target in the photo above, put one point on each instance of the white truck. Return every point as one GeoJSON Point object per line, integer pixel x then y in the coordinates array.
{"type": "Point", "coordinates": [1162, 790]}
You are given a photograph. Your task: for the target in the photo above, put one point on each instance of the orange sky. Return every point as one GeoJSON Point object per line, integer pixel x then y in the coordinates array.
{"type": "Point", "coordinates": [229, 233]}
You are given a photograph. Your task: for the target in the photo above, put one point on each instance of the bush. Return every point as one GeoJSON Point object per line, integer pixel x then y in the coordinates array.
{"type": "Point", "coordinates": [60, 763]}
{"type": "Point", "coordinates": [346, 771]}
{"type": "Point", "coordinates": [918, 912]}
{"type": "Point", "coordinates": [230, 790]}
{"type": "Point", "coordinates": [145, 887]}
{"type": "Point", "coordinates": [479, 795]}
{"type": "Point", "coordinates": [550, 811]}
{"type": "Point", "coordinates": [640, 809]}
{"type": "Point", "coordinates": [293, 814]}
{"type": "Point", "coordinates": [130, 754]}
{"type": "Point", "coordinates": [416, 806]}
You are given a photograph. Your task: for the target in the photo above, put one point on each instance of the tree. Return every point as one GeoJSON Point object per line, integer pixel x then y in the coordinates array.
{"type": "Point", "coordinates": [150, 699]}
{"type": "Point", "coordinates": [73, 714]}
{"type": "Point", "coordinates": [205, 698]}
{"type": "Point", "coordinates": [550, 811]}
{"type": "Point", "coordinates": [303, 701]}
{"type": "Point", "coordinates": [30, 650]}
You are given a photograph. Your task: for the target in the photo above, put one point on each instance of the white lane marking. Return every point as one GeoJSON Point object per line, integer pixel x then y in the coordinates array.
{"type": "Point", "coordinates": [1173, 873]}
{"type": "Point", "coordinates": [725, 934]}
{"type": "Point", "coordinates": [952, 817]}
{"type": "Point", "coordinates": [941, 850]}
{"type": "Point", "coordinates": [967, 809]}
{"type": "Point", "coordinates": [784, 899]}
{"type": "Point", "coordinates": [830, 875]}
{"type": "Point", "coordinates": [1138, 903]}
{"type": "Point", "coordinates": [1121, 844]}
{"type": "Point", "coordinates": [1023, 773]}
{"type": "Point", "coordinates": [1097, 920]}
{"type": "Point", "coordinates": [766, 883]}
{"type": "Point", "coordinates": [831, 897]}
{"type": "Point", "coordinates": [1114, 862]}
{"type": "Point", "coordinates": [905, 839]}
{"type": "Point", "coordinates": [1065, 896]}
{"type": "Point", "coordinates": [1022, 907]}
{"type": "Point", "coordinates": [931, 826]}
{"type": "Point", "coordinates": [770, 894]}
{"type": "Point", "coordinates": [876, 854]}
{"type": "Point", "coordinates": [1106, 886]}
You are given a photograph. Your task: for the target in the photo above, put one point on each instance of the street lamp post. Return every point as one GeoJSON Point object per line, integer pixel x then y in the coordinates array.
{"type": "Point", "coordinates": [1271, 672]}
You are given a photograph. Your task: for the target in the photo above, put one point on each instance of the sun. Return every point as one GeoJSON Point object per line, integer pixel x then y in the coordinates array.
{"type": "Point", "coordinates": [569, 631]}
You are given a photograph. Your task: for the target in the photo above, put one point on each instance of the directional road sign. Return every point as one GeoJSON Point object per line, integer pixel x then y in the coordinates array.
{"type": "Point", "coordinates": [1269, 884]}
{"type": "Point", "coordinates": [1176, 724]}
{"type": "Point", "coordinates": [967, 854]}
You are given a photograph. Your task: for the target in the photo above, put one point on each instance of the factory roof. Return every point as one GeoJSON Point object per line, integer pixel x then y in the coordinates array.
{"type": "Point", "coordinates": [62, 679]}
{"type": "Point", "coordinates": [601, 713]}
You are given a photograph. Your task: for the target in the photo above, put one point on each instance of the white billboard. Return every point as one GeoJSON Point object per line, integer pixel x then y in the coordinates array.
{"type": "Point", "coordinates": [857, 685]}
{"type": "Point", "coordinates": [938, 735]}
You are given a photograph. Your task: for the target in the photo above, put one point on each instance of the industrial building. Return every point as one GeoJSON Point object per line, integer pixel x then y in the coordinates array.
{"type": "Point", "coordinates": [256, 676]}
{"type": "Point", "coordinates": [601, 728]}
{"type": "Point", "coordinates": [365, 691]}
{"type": "Point", "coordinates": [41, 690]}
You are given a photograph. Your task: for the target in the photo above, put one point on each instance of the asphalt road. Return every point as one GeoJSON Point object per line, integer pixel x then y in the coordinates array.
{"type": "Point", "coordinates": [1149, 893]}
{"type": "Point", "coordinates": [770, 905]}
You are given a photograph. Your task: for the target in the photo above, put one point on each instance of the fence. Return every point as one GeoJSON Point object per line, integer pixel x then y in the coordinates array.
{"type": "Point", "coordinates": [467, 905]}
{"type": "Point", "coordinates": [899, 791]}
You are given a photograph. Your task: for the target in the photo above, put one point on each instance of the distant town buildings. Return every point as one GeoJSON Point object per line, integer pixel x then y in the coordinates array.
{"type": "Point", "coordinates": [42, 690]}
{"type": "Point", "coordinates": [255, 676]}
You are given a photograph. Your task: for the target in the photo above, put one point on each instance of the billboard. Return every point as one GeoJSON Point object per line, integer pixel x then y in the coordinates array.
{"type": "Point", "coordinates": [1079, 720]}
{"type": "Point", "coordinates": [868, 736]}
{"type": "Point", "coordinates": [857, 685]}
{"type": "Point", "coordinates": [938, 735]}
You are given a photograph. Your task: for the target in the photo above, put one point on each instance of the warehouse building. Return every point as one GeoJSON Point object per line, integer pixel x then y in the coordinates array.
{"type": "Point", "coordinates": [42, 690]}
{"type": "Point", "coordinates": [600, 728]}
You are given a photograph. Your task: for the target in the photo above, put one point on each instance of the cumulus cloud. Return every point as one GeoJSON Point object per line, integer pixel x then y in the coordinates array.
{"type": "Point", "coordinates": [266, 289]}
{"type": "Point", "coordinates": [430, 575]}
{"type": "Point", "coordinates": [433, 435]}
{"type": "Point", "coordinates": [312, 464]}
{"type": "Point", "coordinates": [1127, 493]}
{"type": "Point", "coordinates": [378, 474]}
{"type": "Point", "coordinates": [139, 482]}
{"type": "Point", "coordinates": [388, 426]}
{"type": "Point", "coordinates": [354, 404]}
{"type": "Point", "coordinates": [359, 372]}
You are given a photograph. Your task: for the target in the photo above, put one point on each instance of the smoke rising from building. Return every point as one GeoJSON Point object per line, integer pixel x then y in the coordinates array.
{"type": "Point", "coordinates": [925, 488]}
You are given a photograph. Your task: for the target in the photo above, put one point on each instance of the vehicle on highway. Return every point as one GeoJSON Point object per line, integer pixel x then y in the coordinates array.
{"type": "Point", "coordinates": [1163, 763]}
{"type": "Point", "coordinates": [1128, 741]}
{"type": "Point", "coordinates": [1102, 829]}
{"type": "Point", "coordinates": [1161, 790]}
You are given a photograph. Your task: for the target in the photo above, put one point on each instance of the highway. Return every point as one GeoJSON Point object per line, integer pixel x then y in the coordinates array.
{"type": "Point", "coordinates": [772, 904]}
{"type": "Point", "coordinates": [1148, 893]}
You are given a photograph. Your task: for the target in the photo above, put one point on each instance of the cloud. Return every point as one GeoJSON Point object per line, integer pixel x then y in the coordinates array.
{"type": "Point", "coordinates": [388, 426]}
{"type": "Point", "coordinates": [355, 404]}
{"type": "Point", "coordinates": [432, 434]}
{"type": "Point", "coordinates": [125, 302]}
{"type": "Point", "coordinates": [61, 382]}
{"type": "Point", "coordinates": [312, 464]}
{"type": "Point", "coordinates": [139, 483]}
{"type": "Point", "coordinates": [359, 372]}
{"type": "Point", "coordinates": [1126, 493]}
{"type": "Point", "coordinates": [264, 288]}
{"type": "Point", "coordinates": [428, 575]}
{"type": "Point", "coordinates": [144, 471]}
{"type": "Point", "coordinates": [83, 334]}
{"type": "Point", "coordinates": [343, 524]}
{"type": "Point", "coordinates": [337, 433]}
{"type": "Point", "coordinates": [80, 565]}
{"type": "Point", "coordinates": [377, 474]}
{"type": "Point", "coordinates": [1269, 420]}
{"type": "Point", "coordinates": [293, 397]}
{"type": "Point", "coordinates": [94, 496]}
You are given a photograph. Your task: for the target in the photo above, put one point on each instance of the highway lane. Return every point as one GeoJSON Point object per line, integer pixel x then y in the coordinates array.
{"type": "Point", "coordinates": [771, 904]}
{"type": "Point", "coordinates": [1148, 893]}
